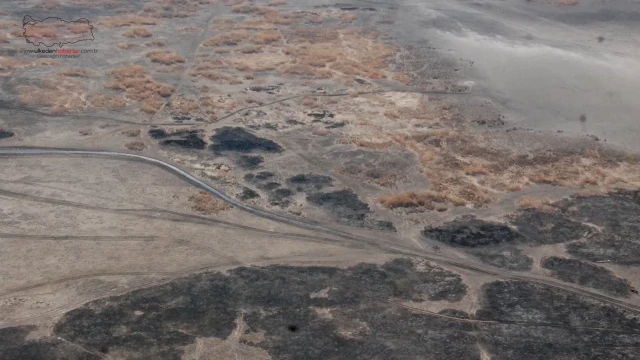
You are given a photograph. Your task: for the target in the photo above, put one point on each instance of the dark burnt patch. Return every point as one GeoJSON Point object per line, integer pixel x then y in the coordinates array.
{"type": "Point", "coordinates": [348, 208]}
{"type": "Point", "coordinates": [469, 231]}
{"type": "Point", "coordinates": [587, 274]}
{"type": "Point", "coordinates": [247, 194]}
{"type": "Point", "coordinates": [189, 139]}
{"type": "Point", "coordinates": [47, 348]}
{"type": "Point", "coordinates": [508, 258]}
{"type": "Point", "coordinates": [249, 162]}
{"type": "Point", "coordinates": [280, 197]}
{"type": "Point", "coordinates": [310, 182]}
{"type": "Point", "coordinates": [280, 301]}
{"type": "Point", "coordinates": [5, 134]}
{"type": "Point", "coordinates": [617, 216]}
{"type": "Point", "coordinates": [238, 139]}
{"type": "Point", "coordinates": [547, 227]}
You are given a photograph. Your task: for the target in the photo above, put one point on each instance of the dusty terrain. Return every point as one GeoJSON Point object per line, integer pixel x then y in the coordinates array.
{"type": "Point", "coordinates": [390, 180]}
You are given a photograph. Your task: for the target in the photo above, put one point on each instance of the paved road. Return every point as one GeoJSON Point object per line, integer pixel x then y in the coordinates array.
{"type": "Point", "coordinates": [386, 247]}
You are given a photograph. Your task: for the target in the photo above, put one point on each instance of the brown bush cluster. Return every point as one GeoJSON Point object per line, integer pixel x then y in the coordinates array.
{"type": "Point", "coordinates": [135, 81]}
{"type": "Point", "coordinates": [137, 32]}
{"type": "Point", "coordinates": [231, 38]}
{"type": "Point", "coordinates": [112, 22]}
{"type": "Point", "coordinates": [204, 202]}
{"type": "Point", "coordinates": [165, 57]}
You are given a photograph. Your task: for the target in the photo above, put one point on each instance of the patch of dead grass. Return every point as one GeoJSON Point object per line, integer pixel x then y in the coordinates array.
{"type": "Point", "coordinates": [137, 85]}
{"type": "Point", "coordinates": [204, 202]}
{"type": "Point", "coordinates": [230, 38]}
{"type": "Point", "coordinates": [112, 22]}
{"type": "Point", "coordinates": [135, 145]}
{"type": "Point", "coordinates": [126, 46]}
{"type": "Point", "coordinates": [75, 72]}
{"type": "Point", "coordinates": [156, 43]}
{"type": "Point", "coordinates": [137, 32]}
{"type": "Point", "coordinates": [165, 57]}
{"type": "Point", "coordinates": [131, 132]}
{"type": "Point", "coordinates": [266, 37]}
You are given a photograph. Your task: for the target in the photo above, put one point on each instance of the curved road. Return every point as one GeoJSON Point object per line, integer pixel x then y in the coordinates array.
{"type": "Point", "coordinates": [392, 248]}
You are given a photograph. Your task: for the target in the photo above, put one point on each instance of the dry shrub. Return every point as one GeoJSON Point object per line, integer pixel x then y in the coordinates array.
{"type": "Point", "coordinates": [169, 68]}
{"type": "Point", "coordinates": [137, 32]}
{"type": "Point", "coordinates": [255, 24]}
{"type": "Point", "coordinates": [156, 43]}
{"type": "Point", "coordinates": [127, 46]}
{"type": "Point", "coordinates": [184, 105]}
{"type": "Point", "coordinates": [366, 143]}
{"type": "Point", "coordinates": [4, 39]}
{"type": "Point", "coordinates": [534, 202]}
{"type": "Point", "coordinates": [131, 132]}
{"type": "Point", "coordinates": [244, 9]}
{"type": "Point", "coordinates": [313, 35]}
{"type": "Point", "coordinates": [348, 17]}
{"type": "Point", "coordinates": [136, 145]}
{"type": "Point", "coordinates": [85, 132]}
{"type": "Point", "coordinates": [255, 62]}
{"type": "Point", "coordinates": [19, 32]}
{"type": "Point", "coordinates": [105, 100]}
{"type": "Point", "coordinates": [203, 201]}
{"type": "Point", "coordinates": [411, 199]}
{"type": "Point", "coordinates": [49, 4]}
{"type": "Point", "coordinates": [165, 57]}
{"type": "Point", "coordinates": [276, 3]}
{"type": "Point", "coordinates": [209, 69]}
{"type": "Point", "coordinates": [316, 55]}
{"type": "Point", "coordinates": [401, 77]}
{"type": "Point", "coordinates": [151, 105]}
{"type": "Point", "coordinates": [251, 49]}
{"type": "Point", "coordinates": [476, 169]}
{"type": "Point", "coordinates": [320, 131]}
{"type": "Point", "coordinates": [112, 22]}
{"type": "Point", "coordinates": [307, 71]}
{"type": "Point", "coordinates": [278, 18]}
{"type": "Point", "coordinates": [4, 24]}
{"type": "Point", "coordinates": [266, 37]}
{"type": "Point", "coordinates": [211, 103]}
{"type": "Point", "coordinates": [231, 38]}
{"type": "Point", "coordinates": [75, 72]}
{"type": "Point", "coordinates": [138, 85]}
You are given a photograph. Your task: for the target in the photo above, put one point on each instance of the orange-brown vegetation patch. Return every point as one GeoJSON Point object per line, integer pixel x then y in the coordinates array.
{"type": "Point", "coordinates": [4, 24]}
{"type": "Point", "coordinates": [366, 143]}
{"type": "Point", "coordinates": [348, 17]}
{"type": "Point", "coordinates": [412, 199]}
{"type": "Point", "coordinates": [204, 202]}
{"type": "Point", "coordinates": [266, 37]}
{"type": "Point", "coordinates": [49, 4]}
{"type": "Point", "coordinates": [112, 22]}
{"type": "Point", "coordinates": [127, 46]}
{"type": "Point", "coordinates": [212, 70]}
{"type": "Point", "coordinates": [75, 72]}
{"type": "Point", "coordinates": [165, 57]}
{"type": "Point", "coordinates": [4, 39]}
{"type": "Point", "coordinates": [184, 104]}
{"type": "Point", "coordinates": [534, 202]}
{"type": "Point", "coordinates": [156, 43]}
{"type": "Point", "coordinates": [231, 38]}
{"type": "Point", "coordinates": [135, 81]}
{"type": "Point", "coordinates": [135, 145]}
{"type": "Point", "coordinates": [131, 132]}
{"type": "Point", "coordinates": [137, 32]}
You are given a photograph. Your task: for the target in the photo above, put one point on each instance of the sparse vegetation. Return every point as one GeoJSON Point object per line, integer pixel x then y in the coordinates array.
{"type": "Point", "coordinates": [266, 37]}
{"type": "Point", "coordinates": [100, 100]}
{"type": "Point", "coordinates": [75, 72]}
